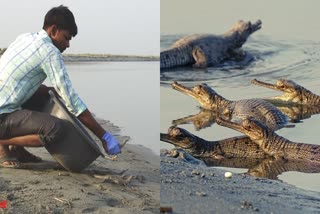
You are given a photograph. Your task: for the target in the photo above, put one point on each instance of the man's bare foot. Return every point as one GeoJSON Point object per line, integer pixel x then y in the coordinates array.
{"type": "Point", "coordinates": [7, 159]}
{"type": "Point", "coordinates": [9, 162]}
{"type": "Point", "coordinates": [23, 155]}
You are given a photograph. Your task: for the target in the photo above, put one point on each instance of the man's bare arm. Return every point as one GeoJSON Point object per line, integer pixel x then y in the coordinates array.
{"type": "Point", "coordinates": [90, 122]}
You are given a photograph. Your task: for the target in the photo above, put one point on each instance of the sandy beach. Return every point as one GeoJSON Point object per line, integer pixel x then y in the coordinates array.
{"type": "Point", "coordinates": [128, 184]}
{"type": "Point", "coordinates": [192, 187]}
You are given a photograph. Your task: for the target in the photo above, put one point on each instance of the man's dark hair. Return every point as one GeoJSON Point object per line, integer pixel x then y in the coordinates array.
{"type": "Point", "coordinates": [63, 18]}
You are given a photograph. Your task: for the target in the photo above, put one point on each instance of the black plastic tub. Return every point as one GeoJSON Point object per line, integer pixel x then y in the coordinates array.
{"type": "Point", "coordinates": [77, 150]}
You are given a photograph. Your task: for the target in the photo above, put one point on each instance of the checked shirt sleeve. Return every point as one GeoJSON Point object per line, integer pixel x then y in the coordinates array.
{"type": "Point", "coordinates": [56, 71]}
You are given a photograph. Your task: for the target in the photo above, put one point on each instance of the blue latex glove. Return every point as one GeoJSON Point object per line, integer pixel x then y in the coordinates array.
{"type": "Point", "coordinates": [112, 144]}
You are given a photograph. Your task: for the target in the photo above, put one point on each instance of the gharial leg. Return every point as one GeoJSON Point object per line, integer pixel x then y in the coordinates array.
{"type": "Point", "coordinates": [237, 55]}
{"type": "Point", "coordinates": [199, 57]}
{"type": "Point", "coordinates": [183, 155]}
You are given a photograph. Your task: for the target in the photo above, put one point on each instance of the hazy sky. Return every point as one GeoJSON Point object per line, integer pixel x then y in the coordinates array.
{"type": "Point", "coordinates": [104, 26]}
{"type": "Point", "coordinates": [285, 19]}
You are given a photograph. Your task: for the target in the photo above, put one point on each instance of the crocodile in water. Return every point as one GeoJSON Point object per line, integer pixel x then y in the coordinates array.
{"type": "Point", "coordinates": [208, 50]}
{"type": "Point", "coordinates": [260, 109]}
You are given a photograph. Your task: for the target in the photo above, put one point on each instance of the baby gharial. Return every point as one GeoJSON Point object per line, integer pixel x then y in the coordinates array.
{"type": "Point", "coordinates": [292, 92]}
{"type": "Point", "coordinates": [259, 109]}
{"type": "Point", "coordinates": [273, 144]}
{"type": "Point", "coordinates": [234, 147]}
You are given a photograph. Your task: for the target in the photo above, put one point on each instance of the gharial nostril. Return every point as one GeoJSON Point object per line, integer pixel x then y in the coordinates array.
{"type": "Point", "coordinates": [170, 129]}
{"type": "Point", "coordinates": [176, 131]}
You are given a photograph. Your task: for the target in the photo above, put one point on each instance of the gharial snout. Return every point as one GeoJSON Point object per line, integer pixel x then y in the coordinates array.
{"type": "Point", "coordinates": [256, 26]}
{"type": "Point", "coordinates": [185, 90]}
{"type": "Point", "coordinates": [179, 137]}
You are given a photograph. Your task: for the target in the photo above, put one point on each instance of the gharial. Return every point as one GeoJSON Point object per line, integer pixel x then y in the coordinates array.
{"type": "Point", "coordinates": [235, 152]}
{"type": "Point", "coordinates": [206, 118]}
{"type": "Point", "coordinates": [235, 147]}
{"type": "Point", "coordinates": [202, 50]}
{"type": "Point", "coordinates": [273, 144]}
{"type": "Point", "coordinates": [260, 109]}
{"type": "Point", "coordinates": [292, 92]}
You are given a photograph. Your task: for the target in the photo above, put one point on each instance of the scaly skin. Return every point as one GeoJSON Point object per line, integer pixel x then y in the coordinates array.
{"type": "Point", "coordinates": [208, 50]}
{"type": "Point", "coordinates": [237, 152]}
{"type": "Point", "coordinates": [265, 168]}
{"type": "Point", "coordinates": [298, 112]}
{"type": "Point", "coordinates": [292, 92]}
{"type": "Point", "coordinates": [270, 168]}
{"type": "Point", "coordinates": [260, 109]}
{"type": "Point", "coordinates": [229, 148]}
{"type": "Point", "coordinates": [273, 144]}
{"type": "Point", "coordinates": [205, 118]}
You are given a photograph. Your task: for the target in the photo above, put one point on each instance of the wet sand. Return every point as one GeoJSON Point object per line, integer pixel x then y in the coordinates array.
{"type": "Point", "coordinates": [128, 184]}
{"type": "Point", "coordinates": [194, 188]}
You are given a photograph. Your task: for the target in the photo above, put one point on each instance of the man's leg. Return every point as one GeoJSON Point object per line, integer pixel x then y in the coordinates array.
{"type": "Point", "coordinates": [18, 151]}
{"type": "Point", "coordinates": [32, 140]}
{"type": "Point", "coordinates": [23, 155]}
{"type": "Point", "coordinates": [35, 103]}
{"type": "Point", "coordinates": [28, 128]}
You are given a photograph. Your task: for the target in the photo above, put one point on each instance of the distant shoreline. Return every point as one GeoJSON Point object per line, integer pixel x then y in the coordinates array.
{"type": "Point", "coordinates": [106, 57]}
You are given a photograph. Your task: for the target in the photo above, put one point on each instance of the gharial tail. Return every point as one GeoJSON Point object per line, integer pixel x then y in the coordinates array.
{"type": "Point", "coordinates": [175, 57]}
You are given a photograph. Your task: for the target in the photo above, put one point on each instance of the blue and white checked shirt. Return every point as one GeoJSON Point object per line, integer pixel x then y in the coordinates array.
{"type": "Point", "coordinates": [27, 62]}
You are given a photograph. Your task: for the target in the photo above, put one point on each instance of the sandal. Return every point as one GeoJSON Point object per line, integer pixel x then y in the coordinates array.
{"type": "Point", "coordinates": [9, 161]}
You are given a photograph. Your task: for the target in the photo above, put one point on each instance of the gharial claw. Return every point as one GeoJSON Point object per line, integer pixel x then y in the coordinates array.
{"type": "Point", "coordinates": [183, 155]}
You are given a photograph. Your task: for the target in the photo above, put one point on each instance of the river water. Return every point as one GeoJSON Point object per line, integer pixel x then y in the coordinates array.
{"type": "Point", "coordinates": [287, 47]}
{"type": "Point", "coordinates": [125, 93]}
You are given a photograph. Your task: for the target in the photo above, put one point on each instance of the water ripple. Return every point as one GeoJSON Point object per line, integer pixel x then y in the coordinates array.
{"type": "Point", "coordinates": [271, 60]}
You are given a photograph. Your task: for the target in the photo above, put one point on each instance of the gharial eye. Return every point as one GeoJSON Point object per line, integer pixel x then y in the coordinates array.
{"type": "Point", "coordinates": [247, 125]}
{"type": "Point", "coordinates": [176, 132]}
{"type": "Point", "coordinates": [280, 84]}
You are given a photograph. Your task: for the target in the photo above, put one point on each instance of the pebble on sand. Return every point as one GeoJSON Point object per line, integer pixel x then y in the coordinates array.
{"type": "Point", "coordinates": [228, 174]}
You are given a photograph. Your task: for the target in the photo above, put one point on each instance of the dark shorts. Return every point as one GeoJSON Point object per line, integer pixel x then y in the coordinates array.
{"type": "Point", "coordinates": [30, 121]}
